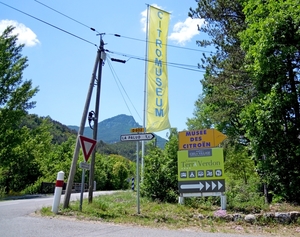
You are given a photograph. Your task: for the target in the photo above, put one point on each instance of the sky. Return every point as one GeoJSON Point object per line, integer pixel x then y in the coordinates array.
{"type": "Point", "coordinates": [61, 52]}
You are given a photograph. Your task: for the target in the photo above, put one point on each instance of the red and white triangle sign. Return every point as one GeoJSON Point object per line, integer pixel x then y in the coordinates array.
{"type": "Point", "coordinates": [87, 145]}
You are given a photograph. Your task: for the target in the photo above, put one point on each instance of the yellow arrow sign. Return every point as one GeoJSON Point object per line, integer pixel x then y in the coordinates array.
{"type": "Point", "coordinates": [198, 139]}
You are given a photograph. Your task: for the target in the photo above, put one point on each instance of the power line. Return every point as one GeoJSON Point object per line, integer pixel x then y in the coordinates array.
{"type": "Point", "coordinates": [176, 65]}
{"type": "Point", "coordinates": [182, 66]}
{"type": "Point", "coordinates": [117, 80]}
{"type": "Point", "coordinates": [117, 35]}
{"type": "Point", "coordinates": [76, 36]}
{"type": "Point", "coordinates": [91, 28]}
{"type": "Point", "coordinates": [171, 64]}
{"type": "Point", "coordinates": [168, 45]}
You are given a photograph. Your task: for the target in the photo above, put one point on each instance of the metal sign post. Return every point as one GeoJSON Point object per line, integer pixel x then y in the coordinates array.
{"type": "Point", "coordinates": [137, 137]}
{"type": "Point", "coordinates": [138, 177]}
{"type": "Point", "coordinates": [88, 146]}
{"type": "Point", "coordinates": [83, 166]}
{"type": "Point", "coordinates": [82, 189]}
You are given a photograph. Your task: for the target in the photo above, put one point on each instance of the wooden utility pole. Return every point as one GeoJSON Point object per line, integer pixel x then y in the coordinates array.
{"type": "Point", "coordinates": [99, 58]}
{"type": "Point", "coordinates": [96, 120]}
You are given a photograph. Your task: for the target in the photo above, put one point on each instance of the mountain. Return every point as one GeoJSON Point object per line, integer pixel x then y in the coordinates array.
{"type": "Point", "coordinates": [60, 132]}
{"type": "Point", "coordinates": [110, 130]}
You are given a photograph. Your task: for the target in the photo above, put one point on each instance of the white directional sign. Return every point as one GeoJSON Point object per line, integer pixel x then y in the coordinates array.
{"type": "Point", "coordinates": [137, 137]}
{"type": "Point", "coordinates": [202, 186]}
{"type": "Point", "coordinates": [199, 186]}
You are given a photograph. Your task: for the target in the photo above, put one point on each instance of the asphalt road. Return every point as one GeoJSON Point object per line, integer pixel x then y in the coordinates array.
{"type": "Point", "coordinates": [17, 219]}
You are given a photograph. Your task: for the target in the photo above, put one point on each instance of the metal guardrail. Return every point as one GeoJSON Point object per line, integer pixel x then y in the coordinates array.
{"type": "Point", "coordinates": [47, 187]}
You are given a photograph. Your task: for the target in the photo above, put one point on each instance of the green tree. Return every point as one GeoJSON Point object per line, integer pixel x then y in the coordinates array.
{"type": "Point", "coordinates": [112, 172]}
{"type": "Point", "coordinates": [25, 167]}
{"type": "Point", "coordinates": [272, 120]}
{"type": "Point", "coordinates": [160, 174]}
{"type": "Point", "coordinates": [238, 163]}
{"type": "Point", "coordinates": [59, 158]}
{"type": "Point", "coordinates": [100, 171]}
{"type": "Point", "coordinates": [15, 96]}
{"type": "Point", "coordinates": [227, 87]}
{"type": "Point", "coordinates": [153, 185]}
{"type": "Point", "coordinates": [202, 117]}
{"type": "Point", "coordinates": [121, 174]}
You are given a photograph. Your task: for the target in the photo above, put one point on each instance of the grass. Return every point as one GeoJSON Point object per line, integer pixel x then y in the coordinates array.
{"type": "Point", "coordinates": [121, 208]}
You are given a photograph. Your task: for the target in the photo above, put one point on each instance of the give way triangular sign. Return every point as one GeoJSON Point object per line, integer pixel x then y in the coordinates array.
{"type": "Point", "coordinates": [87, 145]}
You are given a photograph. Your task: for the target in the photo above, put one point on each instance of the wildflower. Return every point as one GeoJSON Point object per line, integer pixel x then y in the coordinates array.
{"type": "Point", "coordinates": [220, 213]}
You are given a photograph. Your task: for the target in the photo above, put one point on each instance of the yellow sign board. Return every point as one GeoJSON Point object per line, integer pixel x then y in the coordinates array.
{"type": "Point", "coordinates": [197, 139]}
{"type": "Point", "coordinates": [201, 164]}
{"type": "Point", "coordinates": [137, 130]}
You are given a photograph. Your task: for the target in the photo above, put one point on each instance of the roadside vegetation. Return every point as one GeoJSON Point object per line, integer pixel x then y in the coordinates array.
{"type": "Point", "coordinates": [197, 214]}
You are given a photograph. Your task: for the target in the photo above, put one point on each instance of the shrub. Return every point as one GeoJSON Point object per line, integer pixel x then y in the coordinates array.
{"type": "Point", "coordinates": [245, 197]}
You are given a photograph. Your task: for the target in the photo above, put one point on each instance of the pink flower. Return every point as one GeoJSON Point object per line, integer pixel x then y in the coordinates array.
{"type": "Point", "coordinates": [220, 213]}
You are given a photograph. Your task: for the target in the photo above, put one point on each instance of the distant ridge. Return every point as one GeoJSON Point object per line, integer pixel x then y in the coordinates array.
{"type": "Point", "coordinates": [109, 130]}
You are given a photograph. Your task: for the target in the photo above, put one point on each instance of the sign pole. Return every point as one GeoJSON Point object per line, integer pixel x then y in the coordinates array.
{"type": "Point", "coordinates": [82, 189]}
{"type": "Point", "coordinates": [138, 177]}
{"type": "Point", "coordinates": [137, 137]}
{"type": "Point", "coordinates": [87, 146]}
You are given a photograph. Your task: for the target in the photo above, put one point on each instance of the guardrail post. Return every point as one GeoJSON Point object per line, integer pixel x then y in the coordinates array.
{"type": "Point", "coordinates": [132, 184]}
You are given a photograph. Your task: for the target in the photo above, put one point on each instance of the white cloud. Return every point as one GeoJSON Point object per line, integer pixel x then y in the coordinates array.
{"type": "Point", "coordinates": [182, 32]}
{"type": "Point", "coordinates": [185, 31]}
{"type": "Point", "coordinates": [144, 17]}
{"type": "Point", "coordinates": [25, 35]}
{"type": "Point", "coordinates": [144, 20]}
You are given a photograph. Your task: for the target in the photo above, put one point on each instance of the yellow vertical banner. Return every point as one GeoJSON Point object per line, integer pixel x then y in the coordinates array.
{"type": "Point", "coordinates": [157, 74]}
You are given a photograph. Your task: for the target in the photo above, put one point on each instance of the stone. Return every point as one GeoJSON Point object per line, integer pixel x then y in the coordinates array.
{"type": "Point", "coordinates": [269, 215]}
{"type": "Point", "coordinates": [294, 215]}
{"type": "Point", "coordinates": [283, 217]}
{"type": "Point", "coordinates": [237, 217]}
{"type": "Point", "coordinates": [250, 218]}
